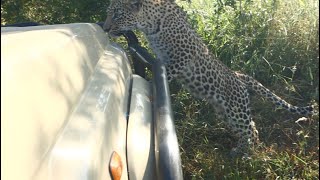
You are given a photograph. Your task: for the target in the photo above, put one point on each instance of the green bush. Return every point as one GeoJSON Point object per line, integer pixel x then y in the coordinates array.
{"type": "Point", "coordinates": [53, 12]}
{"type": "Point", "coordinates": [277, 43]}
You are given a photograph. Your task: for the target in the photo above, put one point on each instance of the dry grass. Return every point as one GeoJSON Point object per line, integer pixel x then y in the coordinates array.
{"type": "Point", "coordinates": [277, 43]}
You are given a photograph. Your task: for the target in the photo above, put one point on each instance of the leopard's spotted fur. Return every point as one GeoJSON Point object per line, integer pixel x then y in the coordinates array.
{"type": "Point", "coordinates": [188, 59]}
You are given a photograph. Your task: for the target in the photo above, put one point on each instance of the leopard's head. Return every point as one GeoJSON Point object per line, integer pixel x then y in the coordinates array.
{"type": "Point", "coordinates": [124, 15]}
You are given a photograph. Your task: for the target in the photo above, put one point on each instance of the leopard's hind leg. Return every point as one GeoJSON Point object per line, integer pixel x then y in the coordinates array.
{"type": "Point", "coordinates": [239, 120]}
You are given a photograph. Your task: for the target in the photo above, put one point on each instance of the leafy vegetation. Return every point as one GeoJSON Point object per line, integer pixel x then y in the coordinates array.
{"type": "Point", "coordinates": [53, 12]}
{"type": "Point", "coordinates": [274, 41]}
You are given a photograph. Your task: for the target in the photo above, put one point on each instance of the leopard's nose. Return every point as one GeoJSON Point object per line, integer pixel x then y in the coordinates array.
{"type": "Point", "coordinates": [106, 27]}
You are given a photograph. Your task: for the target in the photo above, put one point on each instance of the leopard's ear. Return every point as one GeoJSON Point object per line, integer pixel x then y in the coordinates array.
{"type": "Point", "coordinates": [134, 5]}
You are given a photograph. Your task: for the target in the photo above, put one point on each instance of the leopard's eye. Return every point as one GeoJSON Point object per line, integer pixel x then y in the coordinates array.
{"type": "Point", "coordinates": [116, 15]}
{"type": "Point", "coordinates": [109, 10]}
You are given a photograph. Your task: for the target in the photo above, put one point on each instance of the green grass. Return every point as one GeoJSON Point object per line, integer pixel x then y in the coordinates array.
{"type": "Point", "coordinates": [277, 43]}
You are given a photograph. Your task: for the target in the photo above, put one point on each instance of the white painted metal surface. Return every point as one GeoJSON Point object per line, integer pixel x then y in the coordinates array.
{"type": "Point", "coordinates": [140, 138]}
{"type": "Point", "coordinates": [63, 92]}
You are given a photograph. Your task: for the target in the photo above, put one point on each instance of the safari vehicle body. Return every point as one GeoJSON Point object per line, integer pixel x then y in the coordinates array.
{"type": "Point", "coordinates": [72, 108]}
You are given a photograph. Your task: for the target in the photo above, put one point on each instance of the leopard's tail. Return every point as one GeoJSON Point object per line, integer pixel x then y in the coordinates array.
{"type": "Point", "coordinates": [258, 88]}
